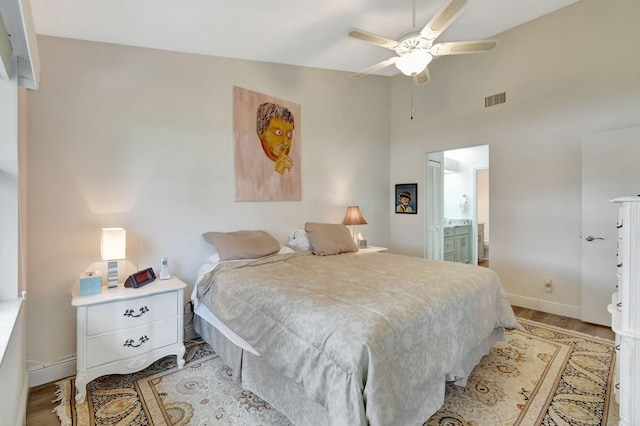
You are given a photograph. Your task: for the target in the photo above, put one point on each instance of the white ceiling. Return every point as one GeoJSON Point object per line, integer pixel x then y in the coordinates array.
{"type": "Point", "coordinates": [295, 32]}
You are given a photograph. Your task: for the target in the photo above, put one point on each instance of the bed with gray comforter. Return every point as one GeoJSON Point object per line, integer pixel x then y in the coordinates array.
{"type": "Point", "coordinates": [364, 338]}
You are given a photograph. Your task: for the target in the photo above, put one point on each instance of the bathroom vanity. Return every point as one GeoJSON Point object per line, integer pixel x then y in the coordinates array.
{"type": "Point", "coordinates": [457, 243]}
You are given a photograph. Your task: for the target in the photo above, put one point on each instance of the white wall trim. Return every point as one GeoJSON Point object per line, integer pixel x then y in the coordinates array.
{"type": "Point", "coordinates": [53, 372]}
{"type": "Point", "coordinates": [570, 311]}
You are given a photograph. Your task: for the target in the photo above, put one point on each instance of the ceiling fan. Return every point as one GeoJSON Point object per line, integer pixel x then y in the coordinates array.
{"type": "Point", "coordinates": [415, 48]}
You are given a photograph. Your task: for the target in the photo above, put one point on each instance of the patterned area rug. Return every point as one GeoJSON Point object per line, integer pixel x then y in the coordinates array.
{"type": "Point", "coordinates": [540, 375]}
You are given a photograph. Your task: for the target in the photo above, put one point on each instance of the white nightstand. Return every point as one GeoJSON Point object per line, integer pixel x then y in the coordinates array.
{"type": "Point", "coordinates": [123, 330]}
{"type": "Point", "coordinates": [372, 249]}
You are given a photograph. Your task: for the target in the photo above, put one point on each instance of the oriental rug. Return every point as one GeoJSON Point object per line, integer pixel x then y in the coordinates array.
{"type": "Point", "coordinates": [539, 375]}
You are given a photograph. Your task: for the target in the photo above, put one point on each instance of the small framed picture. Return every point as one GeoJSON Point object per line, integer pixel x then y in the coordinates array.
{"type": "Point", "coordinates": [406, 198]}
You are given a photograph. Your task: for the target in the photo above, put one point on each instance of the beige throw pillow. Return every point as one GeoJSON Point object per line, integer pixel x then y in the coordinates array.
{"type": "Point", "coordinates": [329, 238]}
{"type": "Point", "coordinates": [242, 244]}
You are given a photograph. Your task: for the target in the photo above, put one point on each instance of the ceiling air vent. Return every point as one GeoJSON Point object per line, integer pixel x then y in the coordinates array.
{"type": "Point", "coordinates": [496, 99]}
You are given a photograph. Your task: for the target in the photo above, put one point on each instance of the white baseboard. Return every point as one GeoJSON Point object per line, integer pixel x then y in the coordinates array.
{"type": "Point", "coordinates": [53, 372]}
{"type": "Point", "coordinates": [570, 311]}
{"type": "Point", "coordinates": [67, 367]}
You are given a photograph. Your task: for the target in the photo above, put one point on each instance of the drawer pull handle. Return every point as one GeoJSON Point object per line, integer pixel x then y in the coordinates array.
{"type": "Point", "coordinates": [129, 312]}
{"type": "Point", "coordinates": [129, 342]}
{"type": "Point", "coordinates": [619, 225]}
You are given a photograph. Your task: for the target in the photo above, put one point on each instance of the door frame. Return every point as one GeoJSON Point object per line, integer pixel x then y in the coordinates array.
{"type": "Point", "coordinates": [438, 249]}
{"type": "Point", "coordinates": [475, 207]}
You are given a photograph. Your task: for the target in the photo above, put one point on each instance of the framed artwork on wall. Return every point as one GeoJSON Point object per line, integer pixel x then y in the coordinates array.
{"type": "Point", "coordinates": [406, 201]}
{"type": "Point", "coordinates": [267, 147]}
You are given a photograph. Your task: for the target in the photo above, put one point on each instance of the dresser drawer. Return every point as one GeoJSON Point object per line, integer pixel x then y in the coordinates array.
{"type": "Point", "coordinates": [131, 313]}
{"type": "Point", "coordinates": [449, 232]}
{"type": "Point", "coordinates": [131, 343]}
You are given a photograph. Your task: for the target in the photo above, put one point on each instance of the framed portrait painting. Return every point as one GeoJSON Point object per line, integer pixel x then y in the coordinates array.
{"type": "Point", "coordinates": [406, 201]}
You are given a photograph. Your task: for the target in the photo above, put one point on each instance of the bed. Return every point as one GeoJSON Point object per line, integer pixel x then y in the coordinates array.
{"type": "Point", "coordinates": [350, 338]}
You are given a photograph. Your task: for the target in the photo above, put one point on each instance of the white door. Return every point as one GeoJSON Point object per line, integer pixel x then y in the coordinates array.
{"type": "Point", "coordinates": [434, 206]}
{"type": "Point", "coordinates": [610, 169]}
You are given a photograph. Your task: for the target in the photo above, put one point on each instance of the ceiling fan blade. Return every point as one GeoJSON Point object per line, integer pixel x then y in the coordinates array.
{"type": "Point", "coordinates": [422, 78]}
{"type": "Point", "coordinates": [374, 39]}
{"type": "Point", "coordinates": [463, 47]}
{"type": "Point", "coordinates": [441, 21]}
{"type": "Point", "coordinates": [376, 67]}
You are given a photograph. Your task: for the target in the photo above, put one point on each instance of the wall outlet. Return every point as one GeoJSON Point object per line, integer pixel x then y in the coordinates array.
{"type": "Point", "coordinates": [547, 285]}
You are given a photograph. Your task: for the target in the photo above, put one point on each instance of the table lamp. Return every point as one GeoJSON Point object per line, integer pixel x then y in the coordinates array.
{"type": "Point", "coordinates": [352, 218]}
{"type": "Point", "coordinates": [114, 241]}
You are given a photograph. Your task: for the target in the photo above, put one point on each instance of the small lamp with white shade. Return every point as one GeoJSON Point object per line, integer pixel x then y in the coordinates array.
{"type": "Point", "coordinates": [114, 242]}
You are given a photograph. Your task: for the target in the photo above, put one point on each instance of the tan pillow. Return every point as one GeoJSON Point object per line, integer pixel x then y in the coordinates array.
{"type": "Point", "coordinates": [242, 244]}
{"type": "Point", "coordinates": [329, 238]}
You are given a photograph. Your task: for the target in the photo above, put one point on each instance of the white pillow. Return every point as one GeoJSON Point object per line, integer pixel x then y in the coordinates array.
{"type": "Point", "coordinates": [214, 259]}
{"type": "Point", "coordinates": [298, 240]}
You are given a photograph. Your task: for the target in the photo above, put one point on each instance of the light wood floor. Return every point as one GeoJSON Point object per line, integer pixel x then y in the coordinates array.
{"type": "Point", "coordinates": [564, 322]}
{"type": "Point", "coordinates": [40, 406]}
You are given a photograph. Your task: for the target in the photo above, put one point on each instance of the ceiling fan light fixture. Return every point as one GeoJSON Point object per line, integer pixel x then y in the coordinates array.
{"type": "Point", "coordinates": [414, 62]}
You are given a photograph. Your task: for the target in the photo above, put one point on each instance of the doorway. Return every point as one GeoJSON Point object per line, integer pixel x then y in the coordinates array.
{"type": "Point", "coordinates": [451, 197]}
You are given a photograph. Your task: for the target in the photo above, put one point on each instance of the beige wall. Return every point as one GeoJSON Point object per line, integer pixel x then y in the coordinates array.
{"type": "Point", "coordinates": [143, 139]}
{"type": "Point", "coordinates": [567, 74]}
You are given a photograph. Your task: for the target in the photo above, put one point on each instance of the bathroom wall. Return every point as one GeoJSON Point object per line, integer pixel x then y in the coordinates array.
{"type": "Point", "coordinates": [459, 186]}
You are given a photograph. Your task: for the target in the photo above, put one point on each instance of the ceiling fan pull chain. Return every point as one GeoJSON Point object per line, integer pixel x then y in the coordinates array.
{"type": "Point", "coordinates": [412, 88]}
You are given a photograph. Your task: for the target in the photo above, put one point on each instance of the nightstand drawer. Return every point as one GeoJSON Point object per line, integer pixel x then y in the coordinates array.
{"type": "Point", "coordinates": [131, 343]}
{"type": "Point", "coordinates": [131, 313]}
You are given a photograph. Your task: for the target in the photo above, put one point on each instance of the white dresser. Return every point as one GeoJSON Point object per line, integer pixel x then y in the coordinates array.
{"type": "Point", "coordinates": [123, 330]}
{"type": "Point", "coordinates": [625, 311]}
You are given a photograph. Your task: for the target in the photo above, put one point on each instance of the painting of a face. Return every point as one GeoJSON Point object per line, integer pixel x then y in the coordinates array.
{"type": "Point", "coordinates": [267, 147]}
{"type": "Point", "coordinates": [407, 198]}
{"type": "Point", "coordinates": [277, 138]}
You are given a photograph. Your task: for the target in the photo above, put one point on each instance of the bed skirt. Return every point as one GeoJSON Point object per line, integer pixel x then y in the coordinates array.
{"type": "Point", "coordinates": [291, 399]}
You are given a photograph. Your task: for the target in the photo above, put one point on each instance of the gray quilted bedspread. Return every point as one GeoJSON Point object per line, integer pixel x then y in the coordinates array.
{"type": "Point", "coordinates": [360, 332]}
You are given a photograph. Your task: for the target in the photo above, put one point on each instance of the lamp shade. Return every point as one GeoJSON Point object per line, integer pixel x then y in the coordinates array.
{"type": "Point", "coordinates": [114, 242]}
{"type": "Point", "coordinates": [353, 216]}
{"type": "Point", "coordinates": [414, 62]}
